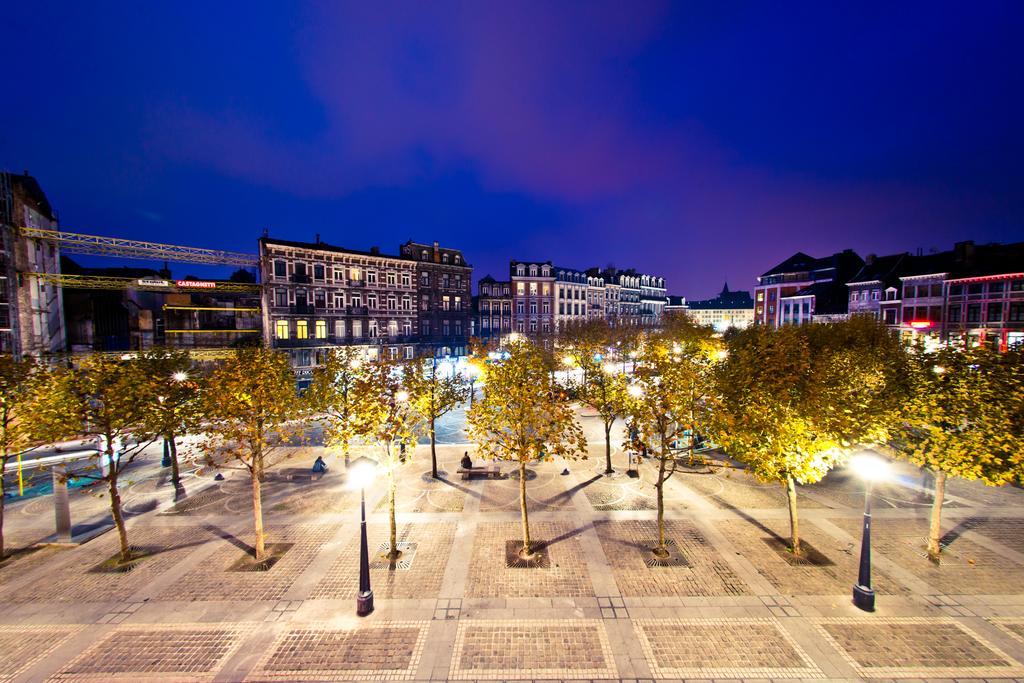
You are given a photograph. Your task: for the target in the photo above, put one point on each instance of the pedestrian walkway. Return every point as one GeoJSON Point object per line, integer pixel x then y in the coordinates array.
{"type": "Point", "coordinates": [730, 603]}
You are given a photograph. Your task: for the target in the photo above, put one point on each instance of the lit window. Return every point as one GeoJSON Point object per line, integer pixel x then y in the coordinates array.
{"type": "Point", "coordinates": [282, 329]}
{"type": "Point", "coordinates": [353, 274]}
{"type": "Point", "coordinates": [321, 329]}
{"type": "Point", "coordinates": [301, 329]}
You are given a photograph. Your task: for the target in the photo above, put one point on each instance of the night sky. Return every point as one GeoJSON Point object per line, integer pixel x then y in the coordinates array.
{"type": "Point", "coordinates": [703, 143]}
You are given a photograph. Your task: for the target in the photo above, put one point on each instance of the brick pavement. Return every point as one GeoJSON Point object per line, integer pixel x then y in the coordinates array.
{"type": "Point", "coordinates": [627, 546]}
{"type": "Point", "coordinates": [914, 647]}
{"type": "Point", "coordinates": [734, 488]}
{"type": "Point", "coordinates": [558, 649]}
{"type": "Point", "coordinates": [320, 652]}
{"type": "Point", "coordinates": [23, 645]}
{"type": "Point", "coordinates": [722, 648]}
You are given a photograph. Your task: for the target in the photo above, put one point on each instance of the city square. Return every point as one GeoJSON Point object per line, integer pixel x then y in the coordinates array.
{"type": "Point", "coordinates": [455, 610]}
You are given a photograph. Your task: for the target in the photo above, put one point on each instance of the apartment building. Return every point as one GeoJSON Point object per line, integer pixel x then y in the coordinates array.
{"type": "Point", "coordinates": [444, 298]}
{"type": "Point", "coordinates": [533, 296]}
{"type": "Point", "coordinates": [728, 309]}
{"type": "Point", "coordinates": [494, 308]}
{"type": "Point", "coordinates": [571, 288]}
{"type": "Point", "coordinates": [803, 288]}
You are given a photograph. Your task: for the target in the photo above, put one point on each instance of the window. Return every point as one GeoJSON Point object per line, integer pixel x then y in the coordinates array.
{"type": "Point", "coordinates": [973, 313]}
{"type": "Point", "coordinates": [357, 328]}
{"type": "Point", "coordinates": [533, 326]}
{"type": "Point", "coordinates": [975, 288]}
{"type": "Point", "coordinates": [995, 288]}
{"type": "Point", "coordinates": [371, 277]}
{"type": "Point", "coordinates": [391, 279]}
{"type": "Point", "coordinates": [485, 323]}
{"type": "Point", "coordinates": [300, 270]}
{"type": "Point", "coordinates": [301, 329]}
{"type": "Point", "coordinates": [339, 300]}
{"type": "Point", "coordinates": [425, 302]}
{"type": "Point", "coordinates": [408, 352]}
{"type": "Point", "coordinates": [392, 328]}
{"type": "Point", "coordinates": [533, 271]}
{"type": "Point", "coordinates": [339, 329]}
{"type": "Point", "coordinates": [533, 289]}
{"type": "Point", "coordinates": [321, 329]}
{"type": "Point", "coordinates": [371, 300]}
{"type": "Point", "coordinates": [406, 280]}
{"type": "Point", "coordinates": [854, 296]}
{"type": "Point", "coordinates": [519, 307]}
{"type": "Point", "coordinates": [458, 303]}
{"type": "Point", "coordinates": [875, 294]}
{"type": "Point", "coordinates": [547, 307]}
{"type": "Point", "coordinates": [908, 291]}
{"type": "Point", "coordinates": [281, 329]}
{"type": "Point", "coordinates": [545, 327]}
{"type": "Point", "coordinates": [520, 288]}
{"type": "Point", "coordinates": [519, 325]}
{"type": "Point", "coordinates": [445, 303]}
{"type": "Point", "coordinates": [392, 302]}
{"type": "Point", "coordinates": [318, 272]}
{"type": "Point", "coordinates": [406, 303]}
{"type": "Point", "coordinates": [445, 328]}
{"type": "Point", "coordinates": [353, 274]}
{"type": "Point", "coordinates": [444, 258]}
{"type": "Point", "coordinates": [935, 290]}
{"type": "Point", "coordinates": [446, 281]}
{"type": "Point", "coordinates": [356, 299]}
{"type": "Point", "coordinates": [372, 328]}
{"type": "Point", "coordinates": [407, 327]}
{"type": "Point", "coordinates": [458, 259]}
{"type": "Point", "coordinates": [393, 352]}
{"type": "Point", "coordinates": [546, 289]}
{"type": "Point", "coordinates": [280, 269]}
{"type": "Point", "coordinates": [1017, 286]}
{"type": "Point", "coordinates": [561, 308]}
{"type": "Point", "coordinates": [1017, 312]}
{"type": "Point", "coordinates": [954, 314]}
{"type": "Point", "coordinates": [281, 297]}
{"type": "Point", "coordinates": [458, 328]}
{"type": "Point", "coordinates": [319, 299]}
{"type": "Point", "coordinates": [995, 312]}
{"type": "Point", "coordinates": [533, 308]}
{"type": "Point", "coordinates": [425, 328]}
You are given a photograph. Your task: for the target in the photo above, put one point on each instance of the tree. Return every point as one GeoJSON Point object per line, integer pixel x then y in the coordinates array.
{"type": "Point", "coordinates": [388, 416]}
{"type": "Point", "coordinates": [964, 418]}
{"type": "Point", "coordinates": [524, 417]}
{"type": "Point", "coordinates": [21, 381]}
{"type": "Point", "coordinates": [435, 394]}
{"type": "Point", "coordinates": [249, 404]}
{"type": "Point", "coordinates": [108, 400]}
{"type": "Point", "coordinates": [176, 409]}
{"type": "Point", "coordinates": [332, 394]}
{"type": "Point", "coordinates": [668, 399]}
{"type": "Point", "coordinates": [603, 387]}
{"type": "Point", "coordinates": [794, 401]}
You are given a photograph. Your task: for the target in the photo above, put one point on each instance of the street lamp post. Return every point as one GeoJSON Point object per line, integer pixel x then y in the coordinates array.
{"type": "Point", "coordinates": [360, 475]}
{"type": "Point", "coordinates": [870, 468]}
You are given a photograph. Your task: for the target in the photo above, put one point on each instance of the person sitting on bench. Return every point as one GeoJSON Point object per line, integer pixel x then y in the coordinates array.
{"type": "Point", "coordinates": [467, 462]}
{"type": "Point", "coordinates": [319, 466]}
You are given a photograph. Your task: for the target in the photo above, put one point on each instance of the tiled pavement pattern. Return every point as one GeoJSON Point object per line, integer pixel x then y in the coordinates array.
{"type": "Point", "coordinates": [422, 580]}
{"type": "Point", "coordinates": [566, 576]}
{"type": "Point", "coordinates": [915, 647]}
{"type": "Point", "coordinates": [184, 651]}
{"type": "Point", "coordinates": [381, 651]}
{"type": "Point", "coordinates": [79, 584]}
{"type": "Point", "coordinates": [627, 546]}
{"type": "Point", "coordinates": [560, 649]}
{"type": "Point", "coordinates": [734, 488]}
{"type": "Point", "coordinates": [722, 648]}
{"type": "Point", "coordinates": [213, 580]}
{"type": "Point", "coordinates": [21, 646]}
{"type": "Point", "coordinates": [598, 612]}
{"type": "Point", "coordinates": [749, 538]}
{"type": "Point", "coordinates": [966, 568]}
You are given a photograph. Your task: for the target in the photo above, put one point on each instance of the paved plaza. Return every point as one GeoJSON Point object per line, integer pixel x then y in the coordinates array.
{"type": "Point", "coordinates": [728, 604]}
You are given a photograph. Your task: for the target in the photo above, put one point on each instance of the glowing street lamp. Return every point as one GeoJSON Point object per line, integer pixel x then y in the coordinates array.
{"type": "Point", "coordinates": [567, 361]}
{"type": "Point", "coordinates": [722, 354]}
{"type": "Point", "coordinates": [635, 390]}
{"type": "Point", "coordinates": [359, 475]}
{"type": "Point", "coordinates": [871, 468]}
{"type": "Point", "coordinates": [609, 368]}
{"type": "Point", "coordinates": [180, 376]}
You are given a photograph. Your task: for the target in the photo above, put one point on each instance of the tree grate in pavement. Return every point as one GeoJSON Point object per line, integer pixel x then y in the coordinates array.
{"type": "Point", "coordinates": [675, 556]}
{"type": "Point", "coordinates": [404, 561]}
{"type": "Point", "coordinates": [809, 555]}
{"type": "Point", "coordinates": [114, 565]}
{"type": "Point", "coordinates": [540, 559]}
{"type": "Point", "coordinates": [248, 563]}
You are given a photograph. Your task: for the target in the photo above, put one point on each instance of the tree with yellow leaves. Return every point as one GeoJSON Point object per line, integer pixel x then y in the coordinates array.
{"type": "Point", "coordinates": [435, 392]}
{"type": "Point", "coordinates": [332, 396]}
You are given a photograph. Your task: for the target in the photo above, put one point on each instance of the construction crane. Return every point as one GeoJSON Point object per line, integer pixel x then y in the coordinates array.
{"type": "Point", "coordinates": [76, 243]}
{"type": "Point", "coordinates": [149, 284]}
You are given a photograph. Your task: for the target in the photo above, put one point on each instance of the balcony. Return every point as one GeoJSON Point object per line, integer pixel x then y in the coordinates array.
{"type": "Point", "coordinates": [357, 283]}
{"type": "Point", "coordinates": [302, 309]}
{"type": "Point", "coordinates": [300, 279]}
{"type": "Point", "coordinates": [357, 310]}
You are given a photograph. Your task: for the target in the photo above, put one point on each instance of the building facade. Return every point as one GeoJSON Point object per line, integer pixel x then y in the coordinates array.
{"type": "Point", "coordinates": [571, 289]}
{"type": "Point", "coordinates": [728, 309]}
{"type": "Point", "coordinates": [652, 299]}
{"type": "Point", "coordinates": [494, 308]}
{"type": "Point", "coordinates": [444, 298]}
{"type": "Point", "coordinates": [533, 296]}
{"type": "Point", "coordinates": [803, 288]}
{"type": "Point", "coordinates": [31, 309]}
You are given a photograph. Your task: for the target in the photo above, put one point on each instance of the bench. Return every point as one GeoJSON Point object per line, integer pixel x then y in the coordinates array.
{"type": "Point", "coordinates": [299, 473]}
{"type": "Point", "coordinates": [486, 470]}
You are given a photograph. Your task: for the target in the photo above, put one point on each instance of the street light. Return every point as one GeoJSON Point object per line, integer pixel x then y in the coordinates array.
{"type": "Point", "coordinates": [871, 468]}
{"type": "Point", "coordinates": [635, 390]}
{"type": "Point", "coordinates": [360, 475]}
{"type": "Point", "coordinates": [180, 376]}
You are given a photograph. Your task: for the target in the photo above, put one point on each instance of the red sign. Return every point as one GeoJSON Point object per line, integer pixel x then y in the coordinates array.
{"type": "Point", "coordinates": [196, 284]}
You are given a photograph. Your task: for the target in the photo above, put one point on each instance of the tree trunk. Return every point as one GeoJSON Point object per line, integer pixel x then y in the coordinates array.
{"type": "Point", "coordinates": [3, 500]}
{"type": "Point", "coordinates": [661, 550]}
{"type": "Point", "coordinates": [794, 525]}
{"type": "Point", "coordinates": [115, 511]}
{"type": "Point", "coordinates": [935, 527]}
{"type": "Point", "coordinates": [433, 450]}
{"type": "Point", "coordinates": [179, 490]}
{"type": "Point", "coordinates": [393, 552]}
{"type": "Point", "coordinates": [258, 515]}
{"type": "Point", "coordinates": [527, 551]}
{"type": "Point", "coordinates": [608, 448]}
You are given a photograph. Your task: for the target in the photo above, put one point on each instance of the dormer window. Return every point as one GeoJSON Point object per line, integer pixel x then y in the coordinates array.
{"type": "Point", "coordinates": [545, 272]}
{"type": "Point", "coordinates": [444, 258]}
{"type": "Point", "coordinates": [533, 271]}
{"type": "Point", "coordinates": [520, 270]}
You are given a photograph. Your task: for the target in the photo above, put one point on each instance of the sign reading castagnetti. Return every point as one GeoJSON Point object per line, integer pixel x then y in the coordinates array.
{"type": "Point", "coordinates": [196, 284]}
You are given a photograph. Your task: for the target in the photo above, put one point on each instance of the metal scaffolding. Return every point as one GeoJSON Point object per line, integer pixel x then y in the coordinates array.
{"type": "Point", "coordinates": [76, 243]}
{"type": "Point", "coordinates": [147, 284]}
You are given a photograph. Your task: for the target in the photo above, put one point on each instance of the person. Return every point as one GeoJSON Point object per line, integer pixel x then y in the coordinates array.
{"type": "Point", "coordinates": [319, 466]}
{"type": "Point", "coordinates": [467, 462]}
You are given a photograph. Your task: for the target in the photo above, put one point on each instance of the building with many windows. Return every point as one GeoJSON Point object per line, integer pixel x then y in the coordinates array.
{"type": "Point", "coordinates": [533, 297]}
{"type": "Point", "coordinates": [317, 296]}
{"type": "Point", "coordinates": [728, 309]}
{"type": "Point", "coordinates": [571, 287]}
{"type": "Point", "coordinates": [443, 298]}
{"type": "Point", "coordinates": [493, 308]}
{"type": "Point", "coordinates": [803, 288]}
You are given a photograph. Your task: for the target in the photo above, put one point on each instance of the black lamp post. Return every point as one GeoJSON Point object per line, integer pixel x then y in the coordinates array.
{"type": "Point", "coordinates": [870, 467]}
{"type": "Point", "coordinates": [360, 474]}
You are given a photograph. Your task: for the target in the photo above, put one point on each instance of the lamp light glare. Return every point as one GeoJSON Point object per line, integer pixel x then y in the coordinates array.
{"type": "Point", "coordinates": [870, 467]}
{"type": "Point", "coordinates": [939, 370]}
{"type": "Point", "coordinates": [402, 396]}
{"type": "Point", "coordinates": [360, 475]}
{"type": "Point", "coordinates": [635, 390]}
{"type": "Point", "coordinates": [179, 376]}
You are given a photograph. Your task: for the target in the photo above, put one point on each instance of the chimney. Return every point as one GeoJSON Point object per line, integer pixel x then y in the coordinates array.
{"type": "Point", "coordinates": [318, 238]}
{"type": "Point", "coordinates": [375, 251]}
